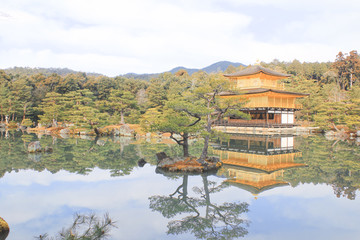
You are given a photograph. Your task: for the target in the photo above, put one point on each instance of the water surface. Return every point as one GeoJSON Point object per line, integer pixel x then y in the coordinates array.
{"type": "Point", "coordinates": [269, 188]}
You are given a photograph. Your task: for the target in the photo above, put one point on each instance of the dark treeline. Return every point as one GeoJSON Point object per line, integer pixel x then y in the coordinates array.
{"type": "Point", "coordinates": [90, 100]}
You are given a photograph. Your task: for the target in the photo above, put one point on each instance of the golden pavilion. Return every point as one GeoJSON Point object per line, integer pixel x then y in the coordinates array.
{"type": "Point", "coordinates": [268, 104]}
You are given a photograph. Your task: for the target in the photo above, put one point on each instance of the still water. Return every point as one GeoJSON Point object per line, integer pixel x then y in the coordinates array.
{"type": "Point", "coordinates": [268, 188]}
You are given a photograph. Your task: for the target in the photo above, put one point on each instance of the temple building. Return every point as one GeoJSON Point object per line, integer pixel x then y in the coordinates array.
{"type": "Point", "coordinates": [257, 163]}
{"type": "Point", "coordinates": [268, 104]}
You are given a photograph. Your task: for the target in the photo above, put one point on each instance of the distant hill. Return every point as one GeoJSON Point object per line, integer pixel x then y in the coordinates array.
{"type": "Point", "coordinates": [145, 76]}
{"type": "Point", "coordinates": [189, 70]}
{"type": "Point", "coordinates": [46, 71]}
{"type": "Point", "coordinates": [213, 68]}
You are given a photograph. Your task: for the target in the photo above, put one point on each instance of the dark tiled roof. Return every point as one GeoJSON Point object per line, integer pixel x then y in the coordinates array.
{"type": "Point", "coordinates": [260, 90]}
{"type": "Point", "coordinates": [254, 70]}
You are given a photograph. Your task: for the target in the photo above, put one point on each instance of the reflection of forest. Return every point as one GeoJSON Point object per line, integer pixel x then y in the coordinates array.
{"type": "Point", "coordinates": [263, 162]}
{"type": "Point", "coordinates": [253, 163]}
{"type": "Point", "coordinates": [336, 163]}
{"type": "Point", "coordinates": [257, 163]}
{"type": "Point", "coordinates": [77, 155]}
{"type": "Point", "coordinates": [217, 221]}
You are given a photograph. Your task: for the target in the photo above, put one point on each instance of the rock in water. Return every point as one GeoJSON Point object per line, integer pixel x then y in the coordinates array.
{"type": "Point", "coordinates": [141, 162]}
{"type": "Point", "coordinates": [34, 147]}
{"type": "Point", "coordinates": [4, 229]}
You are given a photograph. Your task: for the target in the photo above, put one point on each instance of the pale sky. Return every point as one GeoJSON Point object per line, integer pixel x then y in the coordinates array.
{"type": "Point", "coordinates": [115, 37]}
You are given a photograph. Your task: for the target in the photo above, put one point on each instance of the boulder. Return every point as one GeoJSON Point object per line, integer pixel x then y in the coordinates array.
{"type": "Point", "coordinates": [34, 147]}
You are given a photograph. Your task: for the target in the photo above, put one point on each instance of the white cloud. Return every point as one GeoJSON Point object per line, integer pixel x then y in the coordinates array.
{"type": "Point", "coordinates": [116, 37]}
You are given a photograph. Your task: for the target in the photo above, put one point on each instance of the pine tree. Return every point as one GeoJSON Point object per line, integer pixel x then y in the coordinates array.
{"type": "Point", "coordinates": [122, 102]}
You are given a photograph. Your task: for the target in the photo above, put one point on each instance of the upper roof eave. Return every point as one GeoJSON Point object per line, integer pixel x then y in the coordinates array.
{"type": "Point", "coordinates": [254, 70]}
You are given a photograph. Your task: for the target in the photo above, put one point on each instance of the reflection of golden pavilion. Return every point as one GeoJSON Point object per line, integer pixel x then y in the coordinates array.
{"type": "Point", "coordinates": [256, 163]}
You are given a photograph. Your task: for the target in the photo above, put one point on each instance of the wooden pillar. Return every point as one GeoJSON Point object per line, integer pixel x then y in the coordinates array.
{"type": "Point", "coordinates": [267, 143]}
{"type": "Point", "coordinates": [267, 117]}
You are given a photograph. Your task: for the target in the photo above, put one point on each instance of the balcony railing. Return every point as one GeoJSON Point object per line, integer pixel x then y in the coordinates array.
{"type": "Point", "coordinates": [254, 123]}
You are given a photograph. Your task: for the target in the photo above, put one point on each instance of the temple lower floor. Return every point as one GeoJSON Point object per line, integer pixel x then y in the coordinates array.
{"type": "Point", "coordinates": [262, 118]}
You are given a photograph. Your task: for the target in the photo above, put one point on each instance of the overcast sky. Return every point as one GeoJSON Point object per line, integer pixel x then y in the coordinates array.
{"type": "Point", "coordinates": [114, 37]}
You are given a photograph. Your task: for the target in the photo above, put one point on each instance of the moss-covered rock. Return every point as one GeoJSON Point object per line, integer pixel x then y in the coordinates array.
{"type": "Point", "coordinates": [4, 229]}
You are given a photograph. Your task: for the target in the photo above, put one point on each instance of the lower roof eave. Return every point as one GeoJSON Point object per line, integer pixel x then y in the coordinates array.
{"type": "Point", "coordinates": [270, 108]}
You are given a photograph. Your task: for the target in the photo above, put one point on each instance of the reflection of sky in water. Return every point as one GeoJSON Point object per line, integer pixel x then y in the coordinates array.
{"type": "Point", "coordinates": [37, 202]}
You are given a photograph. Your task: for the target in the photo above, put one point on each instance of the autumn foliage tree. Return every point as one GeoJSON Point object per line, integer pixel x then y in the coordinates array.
{"type": "Point", "coordinates": [348, 69]}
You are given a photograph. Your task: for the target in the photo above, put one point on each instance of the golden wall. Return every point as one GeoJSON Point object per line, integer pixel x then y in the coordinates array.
{"type": "Point", "coordinates": [269, 100]}
{"type": "Point", "coordinates": [259, 80]}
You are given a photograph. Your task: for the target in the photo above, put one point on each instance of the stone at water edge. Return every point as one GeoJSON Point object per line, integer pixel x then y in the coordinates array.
{"type": "Point", "coordinates": [65, 131]}
{"type": "Point", "coordinates": [126, 131]}
{"type": "Point", "coordinates": [4, 229]}
{"type": "Point", "coordinates": [213, 159]}
{"type": "Point", "coordinates": [100, 142]}
{"type": "Point", "coordinates": [34, 147]}
{"type": "Point", "coordinates": [141, 162]}
{"type": "Point", "coordinates": [160, 156]}
{"type": "Point", "coordinates": [48, 149]}
{"type": "Point", "coordinates": [116, 132]}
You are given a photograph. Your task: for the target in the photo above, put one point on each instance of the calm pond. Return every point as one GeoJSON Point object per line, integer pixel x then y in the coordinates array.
{"type": "Point", "coordinates": [268, 188]}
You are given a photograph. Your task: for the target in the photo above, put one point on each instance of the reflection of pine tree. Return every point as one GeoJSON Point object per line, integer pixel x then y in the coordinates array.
{"type": "Point", "coordinates": [342, 186]}
{"type": "Point", "coordinates": [85, 227]}
{"type": "Point", "coordinates": [220, 221]}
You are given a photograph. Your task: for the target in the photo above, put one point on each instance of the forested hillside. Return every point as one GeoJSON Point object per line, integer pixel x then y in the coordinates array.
{"type": "Point", "coordinates": [93, 100]}
{"type": "Point", "coordinates": [46, 71]}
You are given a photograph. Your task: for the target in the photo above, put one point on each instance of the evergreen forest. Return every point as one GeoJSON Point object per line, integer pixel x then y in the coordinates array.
{"type": "Point", "coordinates": [29, 98]}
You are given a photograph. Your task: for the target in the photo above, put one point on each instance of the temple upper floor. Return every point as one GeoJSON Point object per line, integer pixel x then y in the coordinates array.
{"type": "Point", "coordinates": [256, 77]}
